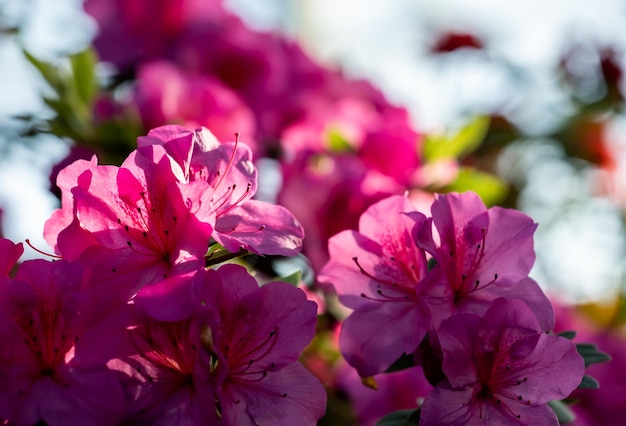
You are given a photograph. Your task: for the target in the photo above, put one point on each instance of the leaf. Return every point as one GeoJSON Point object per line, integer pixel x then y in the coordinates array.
{"type": "Point", "coordinates": [591, 354]}
{"type": "Point", "coordinates": [464, 141]}
{"type": "Point", "coordinates": [400, 418]}
{"type": "Point", "coordinates": [570, 334]}
{"type": "Point", "coordinates": [294, 279]}
{"type": "Point", "coordinates": [83, 71]}
{"type": "Point", "coordinates": [405, 361]}
{"type": "Point", "coordinates": [432, 262]}
{"type": "Point", "coordinates": [489, 187]}
{"type": "Point", "coordinates": [589, 382]}
{"type": "Point", "coordinates": [49, 72]}
{"type": "Point", "coordinates": [563, 413]}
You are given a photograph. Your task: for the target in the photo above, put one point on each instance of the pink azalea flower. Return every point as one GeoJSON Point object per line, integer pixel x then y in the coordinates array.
{"type": "Point", "coordinates": [166, 373]}
{"type": "Point", "coordinates": [227, 168]}
{"type": "Point", "coordinates": [232, 362]}
{"type": "Point", "coordinates": [482, 254]}
{"type": "Point", "coordinates": [380, 273]}
{"type": "Point", "coordinates": [501, 369]}
{"type": "Point", "coordinates": [57, 338]}
{"type": "Point", "coordinates": [140, 219]}
{"type": "Point", "coordinates": [258, 337]}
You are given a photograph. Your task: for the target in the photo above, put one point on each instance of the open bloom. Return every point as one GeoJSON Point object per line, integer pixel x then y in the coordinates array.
{"type": "Point", "coordinates": [501, 369]}
{"type": "Point", "coordinates": [482, 254]}
{"type": "Point", "coordinates": [380, 273]}
{"type": "Point", "coordinates": [233, 361]}
{"type": "Point", "coordinates": [227, 168]}
{"type": "Point", "coordinates": [57, 338]}
{"type": "Point", "coordinates": [256, 341]}
{"type": "Point", "coordinates": [140, 220]}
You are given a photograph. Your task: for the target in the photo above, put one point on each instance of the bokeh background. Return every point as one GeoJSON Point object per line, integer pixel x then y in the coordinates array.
{"type": "Point", "coordinates": [534, 90]}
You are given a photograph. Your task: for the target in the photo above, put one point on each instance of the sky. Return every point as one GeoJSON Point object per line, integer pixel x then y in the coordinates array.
{"type": "Point", "coordinates": [580, 238]}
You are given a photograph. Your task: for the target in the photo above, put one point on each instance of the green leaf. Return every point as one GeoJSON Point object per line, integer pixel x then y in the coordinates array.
{"type": "Point", "coordinates": [83, 70]}
{"type": "Point", "coordinates": [489, 187]}
{"type": "Point", "coordinates": [570, 334]}
{"type": "Point", "coordinates": [459, 144]}
{"type": "Point", "coordinates": [294, 279]}
{"type": "Point", "coordinates": [563, 413]}
{"type": "Point", "coordinates": [49, 72]}
{"type": "Point", "coordinates": [589, 382]}
{"type": "Point", "coordinates": [400, 418]}
{"type": "Point", "coordinates": [431, 263]}
{"type": "Point", "coordinates": [405, 361]}
{"type": "Point", "coordinates": [591, 354]}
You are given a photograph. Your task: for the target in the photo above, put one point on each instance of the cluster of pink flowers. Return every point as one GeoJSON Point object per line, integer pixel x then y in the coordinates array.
{"type": "Point", "coordinates": [130, 326]}
{"type": "Point", "coordinates": [452, 291]}
{"type": "Point", "coordinates": [151, 317]}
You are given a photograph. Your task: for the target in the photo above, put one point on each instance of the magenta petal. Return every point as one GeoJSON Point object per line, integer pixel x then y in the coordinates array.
{"type": "Point", "coordinates": [343, 274]}
{"type": "Point", "coordinates": [439, 410]}
{"type": "Point", "coordinates": [446, 406]}
{"type": "Point", "coordinates": [177, 141]}
{"type": "Point", "coordinates": [373, 338]}
{"type": "Point", "coordinates": [171, 299]}
{"type": "Point", "coordinates": [252, 321]}
{"type": "Point", "coordinates": [9, 255]}
{"type": "Point", "coordinates": [526, 290]}
{"type": "Point", "coordinates": [261, 228]}
{"type": "Point", "coordinates": [286, 397]}
{"type": "Point", "coordinates": [90, 398]}
{"type": "Point", "coordinates": [508, 246]}
{"type": "Point", "coordinates": [389, 212]}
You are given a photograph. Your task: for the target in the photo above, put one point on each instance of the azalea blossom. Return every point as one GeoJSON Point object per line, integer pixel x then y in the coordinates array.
{"type": "Point", "coordinates": [501, 369]}
{"type": "Point", "coordinates": [232, 361]}
{"type": "Point", "coordinates": [227, 168]}
{"type": "Point", "coordinates": [138, 221]}
{"type": "Point", "coordinates": [57, 338]}
{"type": "Point", "coordinates": [482, 254]}
{"type": "Point", "coordinates": [380, 273]}
{"type": "Point", "coordinates": [256, 341]}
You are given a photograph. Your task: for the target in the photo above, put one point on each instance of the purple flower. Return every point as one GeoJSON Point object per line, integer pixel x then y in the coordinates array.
{"type": "Point", "coordinates": [501, 369]}
{"type": "Point", "coordinates": [233, 361]}
{"type": "Point", "coordinates": [482, 255]}
{"type": "Point", "coordinates": [379, 272]}
{"type": "Point", "coordinates": [137, 223]}
{"type": "Point", "coordinates": [57, 338]}
{"type": "Point", "coordinates": [227, 168]}
{"type": "Point", "coordinates": [258, 337]}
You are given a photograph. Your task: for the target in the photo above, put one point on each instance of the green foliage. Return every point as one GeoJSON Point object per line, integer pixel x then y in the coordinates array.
{"type": "Point", "coordinates": [400, 418]}
{"type": "Point", "coordinates": [491, 189]}
{"type": "Point", "coordinates": [294, 279]}
{"type": "Point", "coordinates": [459, 144]}
{"type": "Point", "coordinates": [570, 334]}
{"type": "Point", "coordinates": [563, 413]}
{"type": "Point", "coordinates": [73, 90]}
{"type": "Point", "coordinates": [591, 354]}
{"type": "Point", "coordinates": [589, 382]}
